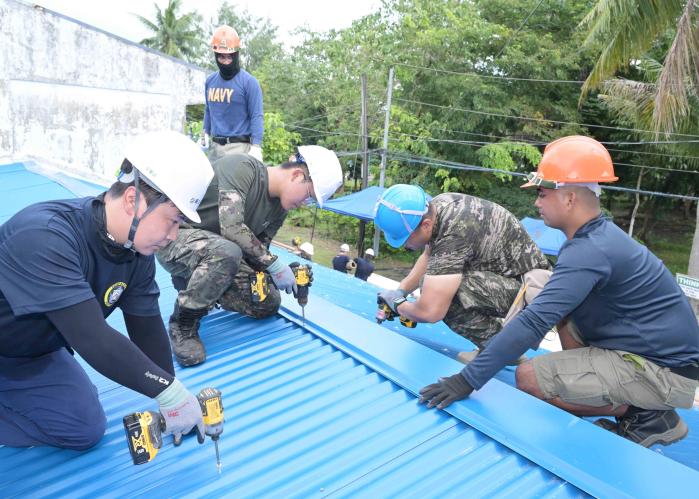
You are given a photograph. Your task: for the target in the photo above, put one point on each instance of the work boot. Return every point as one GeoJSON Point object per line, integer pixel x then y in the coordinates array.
{"type": "Point", "coordinates": [466, 357]}
{"type": "Point", "coordinates": [647, 427]}
{"type": "Point", "coordinates": [184, 336]}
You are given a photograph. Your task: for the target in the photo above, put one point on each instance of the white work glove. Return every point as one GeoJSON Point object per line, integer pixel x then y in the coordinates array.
{"type": "Point", "coordinates": [256, 152]}
{"type": "Point", "coordinates": [181, 412]}
{"type": "Point", "coordinates": [283, 276]}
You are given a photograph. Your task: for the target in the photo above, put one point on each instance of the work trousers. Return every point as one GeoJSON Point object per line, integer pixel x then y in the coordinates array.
{"type": "Point", "coordinates": [215, 272]}
{"type": "Point", "coordinates": [480, 305]}
{"type": "Point", "coordinates": [48, 400]}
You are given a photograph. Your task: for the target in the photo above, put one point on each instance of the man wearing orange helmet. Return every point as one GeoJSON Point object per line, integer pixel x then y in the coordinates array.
{"type": "Point", "coordinates": [233, 117]}
{"type": "Point", "coordinates": [630, 339]}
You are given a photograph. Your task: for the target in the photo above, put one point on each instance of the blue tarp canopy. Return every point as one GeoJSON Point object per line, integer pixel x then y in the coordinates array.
{"type": "Point", "coordinates": [359, 205]}
{"type": "Point", "coordinates": [548, 239]}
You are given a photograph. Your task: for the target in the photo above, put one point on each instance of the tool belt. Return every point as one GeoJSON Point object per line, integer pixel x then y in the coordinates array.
{"type": "Point", "coordinates": [691, 371]}
{"type": "Point", "coordinates": [232, 140]}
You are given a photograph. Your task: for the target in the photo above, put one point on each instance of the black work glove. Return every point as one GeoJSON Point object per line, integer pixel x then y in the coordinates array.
{"type": "Point", "coordinates": [445, 391]}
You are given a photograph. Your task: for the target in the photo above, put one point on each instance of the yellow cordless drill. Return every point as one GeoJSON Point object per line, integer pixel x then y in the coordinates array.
{"type": "Point", "coordinates": [212, 410]}
{"type": "Point", "coordinates": [385, 313]}
{"type": "Point", "coordinates": [303, 275]}
{"type": "Point", "coordinates": [144, 429]}
{"type": "Point", "coordinates": [259, 286]}
{"type": "Point", "coordinates": [144, 435]}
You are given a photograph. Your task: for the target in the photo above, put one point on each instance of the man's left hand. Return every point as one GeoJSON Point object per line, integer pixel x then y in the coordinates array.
{"type": "Point", "coordinates": [256, 152]}
{"type": "Point", "coordinates": [445, 391]}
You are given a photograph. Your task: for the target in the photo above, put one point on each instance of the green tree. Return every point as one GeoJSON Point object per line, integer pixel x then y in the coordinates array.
{"type": "Point", "coordinates": [278, 142]}
{"type": "Point", "coordinates": [448, 97]}
{"type": "Point", "coordinates": [176, 36]}
{"type": "Point", "coordinates": [627, 29]}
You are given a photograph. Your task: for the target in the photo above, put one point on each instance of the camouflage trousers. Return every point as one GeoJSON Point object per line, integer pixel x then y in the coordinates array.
{"type": "Point", "coordinates": [480, 305]}
{"type": "Point", "coordinates": [215, 272]}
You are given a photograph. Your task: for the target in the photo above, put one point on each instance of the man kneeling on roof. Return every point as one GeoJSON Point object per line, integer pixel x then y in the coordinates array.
{"type": "Point", "coordinates": [630, 338]}
{"type": "Point", "coordinates": [476, 259]}
{"type": "Point", "coordinates": [64, 267]}
{"type": "Point", "coordinates": [215, 261]}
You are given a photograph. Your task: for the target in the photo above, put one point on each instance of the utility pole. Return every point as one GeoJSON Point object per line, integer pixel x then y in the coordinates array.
{"type": "Point", "coordinates": [384, 152]}
{"type": "Point", "coordinates": [365, 164]}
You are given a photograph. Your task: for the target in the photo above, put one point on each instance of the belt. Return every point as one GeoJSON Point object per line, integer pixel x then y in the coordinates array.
{"type": "Point", "coordinates": [691, 371]}
{"type": "Point", "coordinates": [231, 140]}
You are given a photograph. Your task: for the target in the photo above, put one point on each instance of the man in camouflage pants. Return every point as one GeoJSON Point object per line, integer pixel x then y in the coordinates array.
{"type": "Point", "coordinates": [476, 255]}
{"type": "Point", "coordinates": [216, 261]}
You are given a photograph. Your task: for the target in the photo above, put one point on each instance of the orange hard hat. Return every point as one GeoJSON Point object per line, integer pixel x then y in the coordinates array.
{"type": "Point", "coordinates": [573, 160]}
{"type": "Point", "coordinates": [225, 40]}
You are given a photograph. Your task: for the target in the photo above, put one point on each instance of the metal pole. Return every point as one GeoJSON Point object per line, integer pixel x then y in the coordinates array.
{"type": "Point", "coordinates": [382, 174]}
{"type": "Point", "coordinates": [365, 164]}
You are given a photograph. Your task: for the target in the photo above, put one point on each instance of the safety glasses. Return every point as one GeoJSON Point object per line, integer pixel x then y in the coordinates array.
{"type": "Point", "coordinates": [533, 179]}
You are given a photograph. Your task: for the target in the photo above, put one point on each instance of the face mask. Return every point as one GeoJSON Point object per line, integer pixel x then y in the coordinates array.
{"type": "Point", "coordinates": [228, 71]}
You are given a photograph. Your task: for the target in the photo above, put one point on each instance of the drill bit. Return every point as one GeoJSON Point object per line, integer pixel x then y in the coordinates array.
{"type": "Point", "coordinates": [218, 457]}
{"type": "Point", "coordinates": [303, 316]}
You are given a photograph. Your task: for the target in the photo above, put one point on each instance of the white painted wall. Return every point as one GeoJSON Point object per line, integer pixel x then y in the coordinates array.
{"type": "Point", "coordinates": [75, 95]}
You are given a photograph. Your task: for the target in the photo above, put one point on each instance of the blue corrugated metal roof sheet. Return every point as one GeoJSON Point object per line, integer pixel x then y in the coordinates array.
{"type": "Point", "coordinates": [330, 411]}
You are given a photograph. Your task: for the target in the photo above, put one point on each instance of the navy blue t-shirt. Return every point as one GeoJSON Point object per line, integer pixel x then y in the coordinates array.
{"type": "Point", "coordinates": [618, 293]}
{"type": "Point", "coordinates": [340, 263]}
{"type": "Point", "coordinates": [51, 257]}
{"type": "Point", "coordinates": [364, 268]}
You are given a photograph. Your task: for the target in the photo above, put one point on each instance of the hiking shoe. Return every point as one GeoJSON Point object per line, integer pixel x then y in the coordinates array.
{"type": "Point", "coordinates": [466, 357]}
{"type": "Point", "coordinates": [647, 427]}
{"type": "Point", "coordinates": [184, 336]}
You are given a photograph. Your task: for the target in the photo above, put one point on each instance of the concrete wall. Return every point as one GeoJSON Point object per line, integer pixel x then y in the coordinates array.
{"type": "Point", "coordinates": [75, 95]}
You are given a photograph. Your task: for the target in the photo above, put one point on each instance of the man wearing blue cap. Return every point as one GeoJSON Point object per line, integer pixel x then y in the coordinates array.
{"type": "Point", "coordinates": [475, 256]}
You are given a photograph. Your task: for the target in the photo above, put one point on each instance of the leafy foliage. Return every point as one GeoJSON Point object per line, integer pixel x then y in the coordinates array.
{"type": "Point", "coordinates": [176, 36]}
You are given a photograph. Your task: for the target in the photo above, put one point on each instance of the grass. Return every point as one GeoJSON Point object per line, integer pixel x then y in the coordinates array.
{"type": "Point", "coordinates": [325, 250]}
{"type": "Point", "coordinates": [674, 252]}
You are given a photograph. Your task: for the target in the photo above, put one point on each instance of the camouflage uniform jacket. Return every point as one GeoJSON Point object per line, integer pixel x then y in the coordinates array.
{"type": "Point", "coordinates": [472, 234]}
{"type": "Point", "coordinates": [237, 205]}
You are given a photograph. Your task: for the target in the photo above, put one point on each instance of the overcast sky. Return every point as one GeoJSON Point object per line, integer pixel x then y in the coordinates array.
{"type": "Point", "coordinates": [115, 16]}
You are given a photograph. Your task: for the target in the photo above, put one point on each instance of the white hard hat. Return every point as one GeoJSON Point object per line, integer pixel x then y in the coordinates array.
{"type": "Point", "coordinates": [174, 165]}
{"type": "Point", "coordinates": [369, 252]}
{"type": "Point", "coordinates": [344, 247]}
{"type": "Point", "coordinates": [324, 169]}
{"type": "Point", "coordinates": [307, 248]}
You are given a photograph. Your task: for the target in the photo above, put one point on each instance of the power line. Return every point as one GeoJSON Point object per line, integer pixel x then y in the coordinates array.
{"type": "Point", "coordinates": [481, 144]}
{"type": "Point", "coordinates": [479, 75]}
{"type": "Point", "coordinates": [652, 142]}
{"type": "Point", "coordinates": [543, 143]}
{"type": "Point", "coordinates": [463, 166]}
{"type": "Point", "coordinates": [325, 132]}
{"type": "Point", "coordinates": [519, 29]}
{"type": "Point", "coordinates": [528, 118]}
{"type": "Point", "coordinates": [654, 154]}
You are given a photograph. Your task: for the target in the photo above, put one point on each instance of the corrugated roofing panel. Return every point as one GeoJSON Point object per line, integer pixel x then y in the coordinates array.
{"type": "Point", "coordinates": [330, 411]}
{"type": "Point", "coordinates": [302, 419]}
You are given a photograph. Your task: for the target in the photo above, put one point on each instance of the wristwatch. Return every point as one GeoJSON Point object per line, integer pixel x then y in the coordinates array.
{"type": "Point", "coordinates": [398, 301]}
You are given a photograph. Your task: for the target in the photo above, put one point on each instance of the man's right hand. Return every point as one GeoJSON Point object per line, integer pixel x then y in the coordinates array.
{"type": "Point", "coordinates": [283, 276]}
{"type": "Point", "coordinates": [181, 412]}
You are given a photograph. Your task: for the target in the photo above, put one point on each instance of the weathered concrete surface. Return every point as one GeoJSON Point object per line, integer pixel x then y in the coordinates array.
{"type": "Point", "coordinates": [75, 94]}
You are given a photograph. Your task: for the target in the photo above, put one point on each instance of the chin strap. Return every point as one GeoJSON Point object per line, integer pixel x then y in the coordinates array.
{"type": "Point", "coordinates": [136, 219]}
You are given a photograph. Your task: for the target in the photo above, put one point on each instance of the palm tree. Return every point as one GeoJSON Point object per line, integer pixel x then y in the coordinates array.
{"type": "Point", "coordinates": [176, 36]}
{"type": "Point", "coordinates": [667, 101]}
{"type": "Point", "coordinates": [627, 29]}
